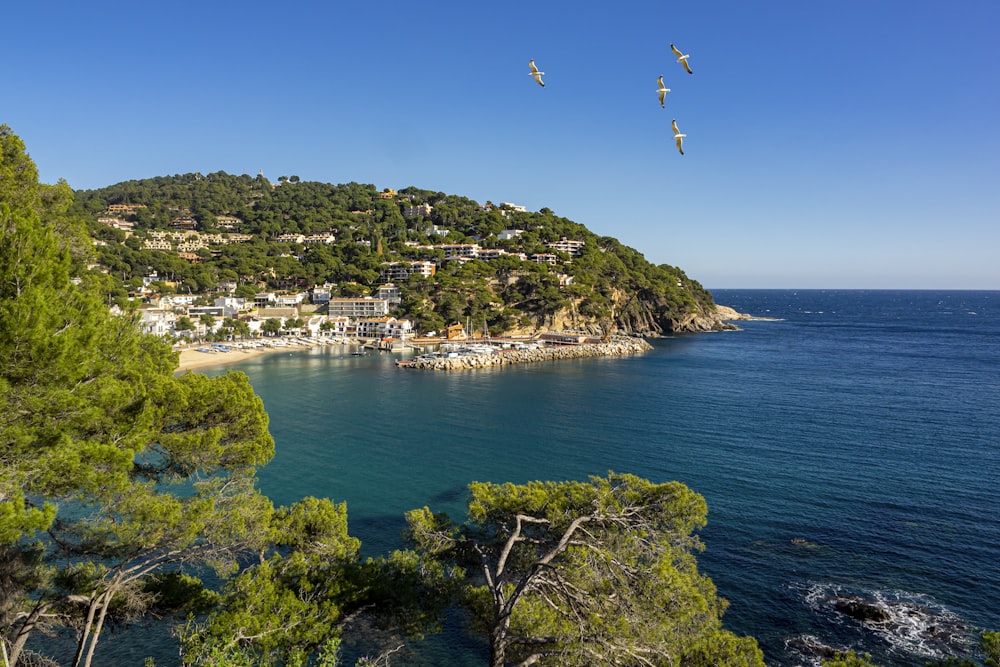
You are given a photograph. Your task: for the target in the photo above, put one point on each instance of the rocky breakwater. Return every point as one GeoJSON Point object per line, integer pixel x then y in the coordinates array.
{"type": "Point", "coordinates": [616, 347]}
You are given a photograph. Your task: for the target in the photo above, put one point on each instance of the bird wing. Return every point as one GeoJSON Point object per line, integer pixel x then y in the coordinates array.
{"type": "Point", "coordinates": [659, 81]}
{"type": "Point", "coordinates": [534, 70]}
{"type": "Point", "coordinates": [676, 52]}
{"type": "Point", "coordinates": [673, 124]}
{"type": "Point", "coordinates": [680, 147]}
{"type": "Point", "coordinates": [686, 66]}
{"type": "Point", "coordinates": [662, 95]}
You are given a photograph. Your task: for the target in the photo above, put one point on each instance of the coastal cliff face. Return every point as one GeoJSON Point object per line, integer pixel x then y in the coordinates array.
{"type": "Point", "coordinates": [649, 316]}
{"type": "Point", "coordinates": [721, 318]}
{"type": "Point", "coordinates": [642, 315]}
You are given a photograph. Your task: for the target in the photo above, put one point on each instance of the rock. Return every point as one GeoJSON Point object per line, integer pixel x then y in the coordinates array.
{"type": "Point", "coordinates": [727, 314]}
{"type": "Point", "coordinates": [810, 646]}
{"type": "Point", "coordinates": [861, 610]}
{"type": "Point", "coordinates": [616, 347]}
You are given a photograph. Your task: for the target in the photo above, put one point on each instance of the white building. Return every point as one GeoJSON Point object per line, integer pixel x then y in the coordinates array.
{"type": "Point", "coordinates": [390, 293]}
{"type": "Point", "coordinates": [228, 222]}
{"type": "Point", "coordinates": [568, 246]}
{"type": "Point", "coordinates": [265, 299]}
{"type": "Point", "coordinates": [339, 326]}
{"type": "Point", "coordinates": [290, 300]}
{"type": "Point", "coordinates": [312, 324]}
{"type": "Point", "coordinates": [231, 305]}
{"type": "Point", "coordinates": [460, 249]}
{"type": "Point", "coordinates": [117, 223]}
{"type": "Point", "coordinates": [402, 270]}
{"type": "Point", "coordinates": [157, 244]}
{"type": "Point", "coordinates": [372, 328]}
{"type": "Point", "coordinates": [491, 253]}
{"type": "Point", "coordinates": [418, 210]}
{"type": "Point", "coordinates": [544, 258]}
{"type": "Point", "coordinates": [325, 238]}
{"type": "Point", "coordinates": [357, 307]}
{"type": "Point", "coordinates": [384, 327]}
{"type": "Point", "coordinates": [193, 245]}
{"type": "Point", "coordinates": [321, 295]}
{"type": "Point", "coordinates": [398, 329]}
{"type": "Point", "coordinates": [157, 321]}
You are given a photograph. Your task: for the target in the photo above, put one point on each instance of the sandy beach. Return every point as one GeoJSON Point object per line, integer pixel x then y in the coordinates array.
{"type": "Point", "coordinates": [191, 359]}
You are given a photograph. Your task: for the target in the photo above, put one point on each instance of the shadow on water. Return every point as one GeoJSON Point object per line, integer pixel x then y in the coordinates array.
{"type": "Point", "coordinates": [452, 496]}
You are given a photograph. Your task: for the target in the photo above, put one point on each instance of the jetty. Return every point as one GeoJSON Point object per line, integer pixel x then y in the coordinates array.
{"type": "Point", "coordinates": [489, 358]}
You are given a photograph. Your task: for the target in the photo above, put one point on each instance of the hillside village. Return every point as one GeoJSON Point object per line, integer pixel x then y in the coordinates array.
{"type": "Point", "coordinates": [350, 262]}
{"type": "Point", "coordinates": [314, 312]}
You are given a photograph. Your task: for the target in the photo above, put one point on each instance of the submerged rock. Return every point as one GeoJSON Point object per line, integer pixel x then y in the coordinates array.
{"type": "Point", "coordinates": [810, 646]}
{"type": "Point", "coordinates": [862, 610]}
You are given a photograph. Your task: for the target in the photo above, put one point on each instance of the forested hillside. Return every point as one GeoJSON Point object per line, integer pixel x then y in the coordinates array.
{"type": "Point", "coordinates": [202, 231]}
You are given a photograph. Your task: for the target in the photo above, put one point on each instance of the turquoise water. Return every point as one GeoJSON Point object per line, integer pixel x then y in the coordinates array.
{"type": "Point", "coordinates": [849, 448]}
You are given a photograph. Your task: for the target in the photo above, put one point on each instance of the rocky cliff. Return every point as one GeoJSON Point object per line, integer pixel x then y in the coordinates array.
{"type": "Point", "coordinates": [649, 316]}
{"type": "Point", "coordinates": [640, 315]}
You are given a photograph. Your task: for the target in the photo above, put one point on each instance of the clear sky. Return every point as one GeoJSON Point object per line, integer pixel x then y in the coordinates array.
{"type": "Point", "coordinates": [830, 144]}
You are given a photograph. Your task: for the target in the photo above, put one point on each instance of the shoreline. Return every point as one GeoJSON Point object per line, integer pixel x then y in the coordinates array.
{"type": "Point", "coordinates": [190, 359]}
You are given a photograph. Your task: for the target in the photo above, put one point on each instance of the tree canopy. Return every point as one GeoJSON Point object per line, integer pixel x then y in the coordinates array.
{"type": "Point", "coordinates": [584, 573]}
{"type": "Point", "coordinates": [113, 471]}
{"type": "Point", "coordinates": [371, 229]}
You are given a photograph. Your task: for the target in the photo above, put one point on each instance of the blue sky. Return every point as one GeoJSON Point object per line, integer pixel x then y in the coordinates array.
{"type": "Point", "coordinates": [848, 144]}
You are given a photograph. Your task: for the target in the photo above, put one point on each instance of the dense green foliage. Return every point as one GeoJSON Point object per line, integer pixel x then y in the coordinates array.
{"type": "Point", "coordinates": [295, 601]}
{"type": "Point", "coordinates": [586, 573]}
{"type": "Point", "coordinates": [370, 230]}
{"type": "Point", "coordinates": [113, 472]}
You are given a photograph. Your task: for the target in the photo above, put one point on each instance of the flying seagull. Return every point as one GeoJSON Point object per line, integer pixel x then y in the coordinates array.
{"type": "Point", "coordinates": [682, 58]}
{"type": "Point", "coordinates": [535, 73]}
{"type": "Point", "coordinates": [661, 90]}
{"type": "Point", "coordinates": [678, 137]}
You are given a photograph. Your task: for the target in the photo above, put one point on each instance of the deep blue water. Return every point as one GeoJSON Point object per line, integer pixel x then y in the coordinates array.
{"type": "Point", "coordinates": [863, 425]}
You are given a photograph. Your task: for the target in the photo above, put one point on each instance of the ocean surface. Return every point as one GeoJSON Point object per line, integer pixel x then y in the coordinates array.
{"type": "Point", "coordinates": [848, 449]}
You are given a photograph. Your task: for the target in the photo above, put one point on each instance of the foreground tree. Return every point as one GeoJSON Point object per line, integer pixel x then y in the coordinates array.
{"type": "Point", "coordinates": [293, 606]}
{"type": "Point", "coordinates": [113, 472]}
{"type": "Point", "coordinates": [584, 573]}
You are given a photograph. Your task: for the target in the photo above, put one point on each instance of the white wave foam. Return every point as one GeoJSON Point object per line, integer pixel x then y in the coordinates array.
{"type": "Point", "coordinates": [907, 622]}
{"type": "Point", "coordinates": [810, 651]}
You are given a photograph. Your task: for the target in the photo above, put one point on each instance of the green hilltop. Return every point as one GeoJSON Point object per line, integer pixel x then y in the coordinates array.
{"type": "Point", "coordinates": [495, 266]}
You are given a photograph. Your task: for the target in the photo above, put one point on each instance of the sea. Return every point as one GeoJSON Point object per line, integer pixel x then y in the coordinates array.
{"type": "Point", "coordinates": [847, 443]}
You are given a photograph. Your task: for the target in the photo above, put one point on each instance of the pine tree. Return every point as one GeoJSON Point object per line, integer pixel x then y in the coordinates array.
{"type": "Point", "coordinates": [586, 573]}
{"type": "Point", "coordinates": [112, 470]}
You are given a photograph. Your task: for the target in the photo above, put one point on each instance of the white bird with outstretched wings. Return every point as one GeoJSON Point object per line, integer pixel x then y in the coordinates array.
{"type": "Point", "coordinates": [535, 73]}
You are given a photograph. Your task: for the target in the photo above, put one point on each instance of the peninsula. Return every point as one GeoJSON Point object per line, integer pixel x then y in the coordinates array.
{"type": "Point", "coordinates": [217, 259]}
